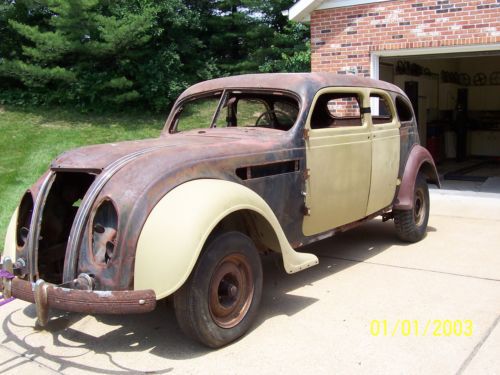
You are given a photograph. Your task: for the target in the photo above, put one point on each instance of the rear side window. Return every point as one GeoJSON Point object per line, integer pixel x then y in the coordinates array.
{"type": "Point", "coordinates": [404, 110]}
{"type": "Point", "coordinates": [334, 110]}
{"type": "Point", "coordinates": [380, 109]}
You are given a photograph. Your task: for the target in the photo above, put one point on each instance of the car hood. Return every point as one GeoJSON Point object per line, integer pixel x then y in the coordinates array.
{"type": "Point", "coordinates": [136, 175]}
{"type": "Point", "coordinates": [193, 145]}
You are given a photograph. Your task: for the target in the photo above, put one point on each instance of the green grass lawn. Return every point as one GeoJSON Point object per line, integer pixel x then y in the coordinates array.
{"type": "Point", "coordinates": [31, 138]}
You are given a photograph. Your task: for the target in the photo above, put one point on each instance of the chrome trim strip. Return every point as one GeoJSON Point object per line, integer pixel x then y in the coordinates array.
{"type": "Point", "coordinates": [35, 226]}
{"type": "Point", "coordinates": [75, 236]}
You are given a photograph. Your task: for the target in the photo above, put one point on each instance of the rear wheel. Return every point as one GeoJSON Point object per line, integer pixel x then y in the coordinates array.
{"type": "Point", "coordinates": [411, 225]}
{"type": "Point", "coordinates": [219, 301]}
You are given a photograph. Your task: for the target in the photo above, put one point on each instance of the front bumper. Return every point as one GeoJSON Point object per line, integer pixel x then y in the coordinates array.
{"type": "Point", "coordinates": [46, 295]}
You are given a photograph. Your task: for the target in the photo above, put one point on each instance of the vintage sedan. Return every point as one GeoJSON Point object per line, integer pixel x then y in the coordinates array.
{"type": "Point", "coordinates": [245, 165]}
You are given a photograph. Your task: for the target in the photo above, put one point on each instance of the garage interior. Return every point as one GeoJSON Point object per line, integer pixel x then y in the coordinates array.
{"type": "Point", "coordinates": [456, 98]}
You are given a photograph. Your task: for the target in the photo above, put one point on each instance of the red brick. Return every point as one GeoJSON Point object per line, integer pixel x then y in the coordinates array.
{"type": "Point", "coordinates": [395, 36]}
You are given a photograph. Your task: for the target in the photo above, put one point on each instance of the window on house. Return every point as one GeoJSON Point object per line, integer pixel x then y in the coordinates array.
{"type": "Point", "coordinates": [336, 110]}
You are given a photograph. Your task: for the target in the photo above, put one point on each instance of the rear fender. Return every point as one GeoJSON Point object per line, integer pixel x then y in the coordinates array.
{"type": "Point", "coordinates": [419, 160]}
{"type": "Point", "coordinates": [179, 225]}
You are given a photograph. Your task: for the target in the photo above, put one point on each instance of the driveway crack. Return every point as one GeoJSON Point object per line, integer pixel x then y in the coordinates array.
{"type": "Point", "coordinates": [478, 346]}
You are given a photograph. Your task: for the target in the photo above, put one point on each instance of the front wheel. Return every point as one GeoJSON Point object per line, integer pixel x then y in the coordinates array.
{"type": "Point", "coordinates": [219, 301]}
{"type": "Point", "coordinates": [411, 225]}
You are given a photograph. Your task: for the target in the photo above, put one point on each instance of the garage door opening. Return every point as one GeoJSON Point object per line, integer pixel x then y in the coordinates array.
{"type": "Point", "coordinates": [456, 97]}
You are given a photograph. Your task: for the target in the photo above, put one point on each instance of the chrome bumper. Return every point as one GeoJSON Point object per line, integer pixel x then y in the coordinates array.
{"type": "Point", "coordinates": [46, 295]}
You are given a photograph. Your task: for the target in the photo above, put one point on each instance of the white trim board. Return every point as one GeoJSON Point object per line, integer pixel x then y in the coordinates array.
{"type": "Point", "coordinates": [301, 11]}
{"type": "Point", "coordinates": [328, 4]}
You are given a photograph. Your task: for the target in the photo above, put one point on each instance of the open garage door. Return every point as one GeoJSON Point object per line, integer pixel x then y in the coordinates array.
{"type": "Point", "coordinates": [456, 97]}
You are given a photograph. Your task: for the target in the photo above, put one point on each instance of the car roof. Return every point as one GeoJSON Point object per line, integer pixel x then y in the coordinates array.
{"type": "Point", "coordinates": [304, 84]}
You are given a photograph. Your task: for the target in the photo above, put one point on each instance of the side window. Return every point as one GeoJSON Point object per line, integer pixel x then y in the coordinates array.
{"type": "Point", "coordinates": [197, 114]}
{"type": "Point", "coordinates": [380, 109]}
{"type": "Point", "coordinates": [286, 113]}
{"type": "Point", "coordinates": [344, 107]}
{"type": "Point", "coordinates": [334, 110]}
{"type": "Point", "coordinates": [404, 111]}
{"type": "Point", "coordinates": [249, 111]}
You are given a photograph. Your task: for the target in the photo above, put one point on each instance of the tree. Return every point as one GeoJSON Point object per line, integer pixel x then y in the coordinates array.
{"type": "Point", "coordinates": [290, 52]}
{"type": "Point", "coordinates": [287, 48]}
{"type": "Point", "coordinates": [102, 53]}
{"type": "Point", "coordinates": [247, 36]}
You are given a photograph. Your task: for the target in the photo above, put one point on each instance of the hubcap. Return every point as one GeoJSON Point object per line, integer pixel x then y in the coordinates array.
{"type": "Point", "coordinates": [231, 291]}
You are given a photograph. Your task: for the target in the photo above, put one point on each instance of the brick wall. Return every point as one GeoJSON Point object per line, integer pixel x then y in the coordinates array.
{"type": "Point", "coordinates": [343, 38]}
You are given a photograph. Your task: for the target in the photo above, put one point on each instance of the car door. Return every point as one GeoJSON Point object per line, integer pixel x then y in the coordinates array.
{"type": "Point", "coordinates": [384, 127]}
{"type": "Point", "coordinates": [338, 152]}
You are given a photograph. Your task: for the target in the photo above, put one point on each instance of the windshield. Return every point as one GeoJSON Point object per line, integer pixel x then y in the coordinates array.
{"type": "Point", "coordinates": [237, 109]}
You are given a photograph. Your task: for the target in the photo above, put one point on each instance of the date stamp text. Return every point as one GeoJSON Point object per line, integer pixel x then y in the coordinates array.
{"type": "Point", "coordinates": [418, 328]}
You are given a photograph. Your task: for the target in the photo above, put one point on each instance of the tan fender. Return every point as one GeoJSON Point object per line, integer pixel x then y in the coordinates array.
{"type": "Point", "coordinates": [9, 249]}
{"type": "Point", "coordinates": [178, 226]}
{"type": "Point", "coordinates": [419, 160]}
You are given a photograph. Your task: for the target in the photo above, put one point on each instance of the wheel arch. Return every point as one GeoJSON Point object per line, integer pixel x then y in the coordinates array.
{"type": "Point", "coordinates": [254, 225]}
{"type": "Point", "coordinates": [419, 160]}
{"type": "Point", "coordinates": [178, 227]}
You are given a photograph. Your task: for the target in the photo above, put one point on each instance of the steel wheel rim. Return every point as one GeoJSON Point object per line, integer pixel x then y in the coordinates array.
{"type": "Point", "coordinates": [419, 207]}
{"type": "Point", "coordinates": [231, 291]}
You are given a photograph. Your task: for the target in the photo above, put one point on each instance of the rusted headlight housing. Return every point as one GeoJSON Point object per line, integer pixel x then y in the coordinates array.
{"type": "Point", "coordinates": [24, 219]}
{"type": "Point", "coordinates": [104, 232]}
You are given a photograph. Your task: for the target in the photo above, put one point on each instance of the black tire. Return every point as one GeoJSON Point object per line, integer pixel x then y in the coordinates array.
{"type": "Point", "coordinates": [411, 225]}
{"type": "Point", "coordinates": [220, 300]}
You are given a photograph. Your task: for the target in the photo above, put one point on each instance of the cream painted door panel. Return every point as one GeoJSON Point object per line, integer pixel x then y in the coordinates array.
{"type": "Point", "coordinates": [339, 163]}
{"type": "Point", "coordinates": [385, 165]}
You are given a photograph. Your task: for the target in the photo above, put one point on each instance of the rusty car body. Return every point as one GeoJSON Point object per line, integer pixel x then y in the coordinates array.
{"type": "Point", "coordinates": [275, 162]}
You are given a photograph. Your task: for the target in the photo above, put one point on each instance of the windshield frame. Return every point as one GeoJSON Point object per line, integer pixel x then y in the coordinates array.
{"type": "Point", "coordinates": [173, 118]}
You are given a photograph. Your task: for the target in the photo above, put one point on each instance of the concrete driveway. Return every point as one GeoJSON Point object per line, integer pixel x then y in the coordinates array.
{"type": "Point", "coordinates": [372, 305]}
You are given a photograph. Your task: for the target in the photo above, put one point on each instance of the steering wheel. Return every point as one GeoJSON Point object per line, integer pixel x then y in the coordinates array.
{"type": "Point", "coordinates": [275, 112]}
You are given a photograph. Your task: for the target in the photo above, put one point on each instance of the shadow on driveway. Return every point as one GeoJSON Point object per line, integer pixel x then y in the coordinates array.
{"type": "Point", "coordinates": [157, 332]}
